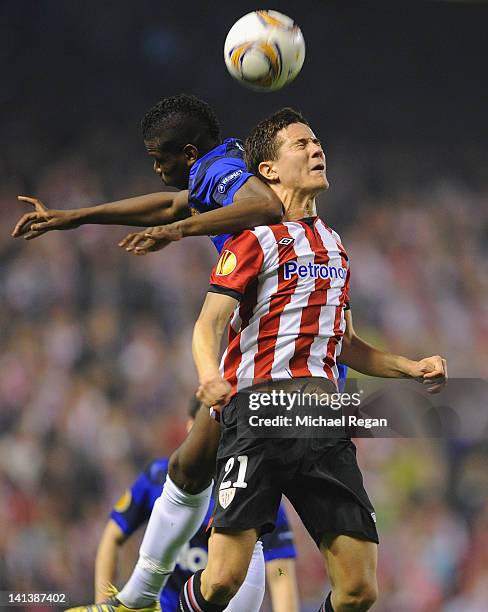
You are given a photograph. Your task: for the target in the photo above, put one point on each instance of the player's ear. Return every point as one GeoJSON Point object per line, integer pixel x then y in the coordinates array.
{"type": "Point", "coordinates": [267, 170]}
{"type": "Point", "coordinates": [191, 153]}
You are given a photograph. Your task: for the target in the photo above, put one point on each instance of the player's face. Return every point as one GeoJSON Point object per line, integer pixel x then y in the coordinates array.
{"type": "Point", "coordinates": [301, 161]}
{"type": "Point", "coordinates": [172, 168]}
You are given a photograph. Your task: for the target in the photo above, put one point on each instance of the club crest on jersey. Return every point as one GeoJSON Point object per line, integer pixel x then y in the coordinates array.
{"type": "Point", "coordinates": [313, 270]}
{"type": "Point", "coordinates": [229, 179]}
{"type": "Point", "coordinates": [226, 264]}
{"type": "Point", "coordinates": [226, 496]}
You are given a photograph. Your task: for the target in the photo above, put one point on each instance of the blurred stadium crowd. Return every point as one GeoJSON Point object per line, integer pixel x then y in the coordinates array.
{"type": "Point", "coordinates": [96, 370]}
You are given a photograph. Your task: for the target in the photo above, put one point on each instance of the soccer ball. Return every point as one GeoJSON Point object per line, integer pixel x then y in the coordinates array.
{"type": "Point", "coordinates": [264, 50]}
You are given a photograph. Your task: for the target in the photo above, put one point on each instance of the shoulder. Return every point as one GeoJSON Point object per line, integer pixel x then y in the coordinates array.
{"type": "Point", "coordinates": [229, 156]}
{"type": "Point", "coordinates": [256, 240]}
{"type": "Point", "coordinates": [241, 240]}
{"type": "Point", "coordinates": [267, 237]}
{"type": "Point", "coordinates": [234, 147]}
{"type": "Point", "coordinates": [241, 260]}
{"type": "Point", "coordinates": [238, 250]}
{"type": "Point", "coordinates": [331, 231]}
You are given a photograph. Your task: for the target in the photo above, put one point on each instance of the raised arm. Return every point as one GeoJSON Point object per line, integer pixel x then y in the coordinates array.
{"type": "Point", "coordinates": [207, 334]}
{"type": "Point", "coordinates": [365, 358]}
{"type": "Point", "coordinates": [151, 209]}
{"type": "Point", "coordinates": [107, 559]}
{"type": "Point", "coordinates": [254, 204]}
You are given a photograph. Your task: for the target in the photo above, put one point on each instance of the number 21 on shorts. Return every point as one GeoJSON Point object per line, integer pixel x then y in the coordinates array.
{"type": "Point", "coordinates": [240, 483]}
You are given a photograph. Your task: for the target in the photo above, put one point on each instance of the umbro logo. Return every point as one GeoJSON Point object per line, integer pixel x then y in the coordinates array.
{"type": "Point", "coordinates": [286, 241]}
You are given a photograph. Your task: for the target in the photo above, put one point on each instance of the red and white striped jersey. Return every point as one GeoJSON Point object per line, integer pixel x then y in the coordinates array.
{"type": "Point", "coordinates": [292, 280]}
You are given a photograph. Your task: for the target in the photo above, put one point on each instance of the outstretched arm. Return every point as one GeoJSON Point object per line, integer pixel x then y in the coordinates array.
{"type": "Point", "coordinates": [254, 204]}
{"type": "Point", "coordinates": [151, 209]}
{"type": "Point", "coordinates": [365, 358]}
{"type": "Point", "coordinates": [207, 334]}
{"type": "Point", "coordinates": [107, 558]}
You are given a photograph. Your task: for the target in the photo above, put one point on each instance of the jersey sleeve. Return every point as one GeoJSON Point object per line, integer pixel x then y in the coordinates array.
{"type": "Point", "coordinates": [279, 543]}
{"type": "Point", "coordinates": [240, 263]}
{"type": "Point", "coordinates": [217, 183]}
{"type": "Point", "coordinates": [232, 177]}
{"type": "Point", "coordinates": [134, 506]}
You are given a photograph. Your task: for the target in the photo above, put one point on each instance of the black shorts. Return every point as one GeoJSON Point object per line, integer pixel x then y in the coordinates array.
{"type": "Point", "coordinates": [320, 477]}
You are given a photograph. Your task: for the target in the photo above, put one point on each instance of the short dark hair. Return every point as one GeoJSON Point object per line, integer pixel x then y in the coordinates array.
{"type": "Point", "coordinates": [188, 117]}
{"type": "Point", "coordinates": [194, 407]}
{"type": "Point", "coordinates": [262, 144]}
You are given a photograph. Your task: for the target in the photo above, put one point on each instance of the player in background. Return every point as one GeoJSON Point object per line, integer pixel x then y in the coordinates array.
{"type": "Point", "coordinates": [134, 508]}
{"type": "Point", "coordinates": [287, 289]}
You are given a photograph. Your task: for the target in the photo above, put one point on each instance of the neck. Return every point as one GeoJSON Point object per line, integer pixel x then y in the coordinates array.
{"type": "Point", "coordinates": [297, 205]}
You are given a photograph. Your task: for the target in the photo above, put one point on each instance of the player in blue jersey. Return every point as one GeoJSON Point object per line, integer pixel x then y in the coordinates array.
{"type": "Point", "coordinates": [182, 135]}
{"type": "Point", "coordinates": [134, 508]}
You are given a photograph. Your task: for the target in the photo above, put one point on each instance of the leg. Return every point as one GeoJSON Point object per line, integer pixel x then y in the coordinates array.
{"type": "Point", "coordinates": [330, 498]}
{"type": "Point", "coordinates": [192, 465]}
{"type": "Point", "coordinates": [251, 594]}
{"type": "Point", "coordinates": [351, 564]}
{"type": "Point", "coordinates": [229, 554]}
{"type": "Point", "coordinates": [247, 501]}
{"type": "Point", "coordinates": [177, 514]}
{"type": "Point", "coordinates": [282, 585]}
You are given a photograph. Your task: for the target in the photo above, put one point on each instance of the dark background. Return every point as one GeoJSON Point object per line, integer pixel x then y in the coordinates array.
{"type": "Point", "coordinates": [374, 71]}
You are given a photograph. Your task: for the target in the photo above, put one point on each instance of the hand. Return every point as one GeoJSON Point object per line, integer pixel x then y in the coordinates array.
{"type": "Point", "coordinates": [432, 372]}
{"type": "Point", "coordinates": [42, 220]}
{"type": "Point", "coordinates": [214, 392]}
{"type": "Point", "coordinates": [142, 242]}
{"type": "Point", "coordinates": [159, 237]}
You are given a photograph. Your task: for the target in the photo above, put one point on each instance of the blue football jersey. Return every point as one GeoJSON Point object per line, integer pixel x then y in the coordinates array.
{"type": "Point", "coordinates": [134, 508]}
{"type": "Point", "coordinates": [215, 178]}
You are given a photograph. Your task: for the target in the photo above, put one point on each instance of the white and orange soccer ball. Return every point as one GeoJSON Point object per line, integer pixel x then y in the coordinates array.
{"type": "Point", "coordinates": [264, 50]}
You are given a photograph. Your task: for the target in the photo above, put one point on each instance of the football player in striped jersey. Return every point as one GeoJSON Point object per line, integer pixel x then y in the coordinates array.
{"type": "Point", "coordinates": [286, 289]}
